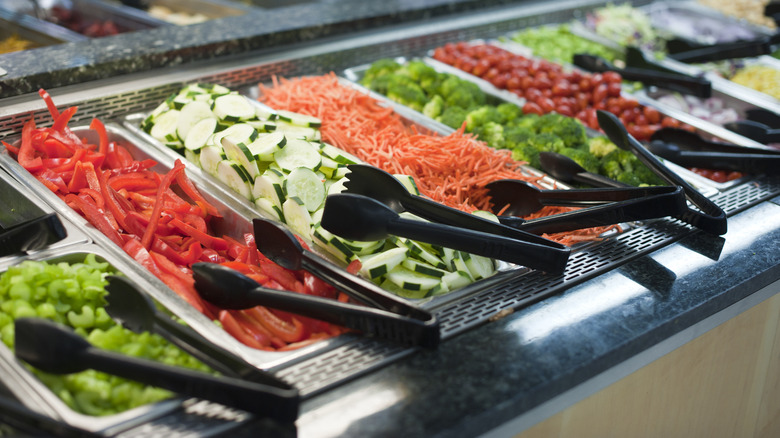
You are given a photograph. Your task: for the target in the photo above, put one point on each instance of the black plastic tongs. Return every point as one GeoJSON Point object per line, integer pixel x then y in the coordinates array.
{"type": "Point", "coordinates": [602, 206]}
{"type": "Point", "coordinates": [689, 150]}
{"type": "Point", "coordinates": [685, 51]}
{"type": "Point", "coordinates": [682, 83]}
{"type": "Point", "coordinates": [54, 348]}
{"type": "Point", "coordinates": [383, 315]}
{"type": "Point", "coordinates": [709, 216]}
{"type": "Point", "coordinates": [449, 227]}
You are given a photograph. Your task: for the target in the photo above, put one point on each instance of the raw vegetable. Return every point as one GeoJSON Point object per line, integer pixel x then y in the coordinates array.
{"type": "Point", "coordinates": [449, 169]}
{"type": "Point", "coordinates": [556, 43]}
{"type": "Point", "coordinates": [549, 87]}
{"type": "Point", "coordinates": [762, 78]}
{"type": "Point", "coordinates": [166, 231]}
{"type": "Point", "coordinates": [73, 294]}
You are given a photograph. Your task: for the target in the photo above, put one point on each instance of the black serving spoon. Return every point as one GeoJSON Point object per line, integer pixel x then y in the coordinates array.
{"type": "Point", "coordinates": [134, 310]}
{"type": "Point", "coordinates": [230, 289]}
{"type": "Point", "coordinates": [682, 83]}
{"type": "Point", "coordinates": [754, 131]}
{"type": "Point", "coordinates": [54, 348]}
{"type": "Point", "coordinates": [358, 217]}
{"type": "Point", "coordinates": [711, 218]}
{"type": "Point", "coordinates": [566, 170]}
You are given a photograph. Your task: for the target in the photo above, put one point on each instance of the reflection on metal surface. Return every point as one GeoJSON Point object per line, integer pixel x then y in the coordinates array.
{"type": "Point", "coordinates": [576, 305]}
{"type": "Point", "coordinates": [359, 404]}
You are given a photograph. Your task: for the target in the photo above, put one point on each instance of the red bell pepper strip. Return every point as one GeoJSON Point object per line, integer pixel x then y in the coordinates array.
{"type": "Point", "coordinates": [232, 326]}
{"type": "Point", "coordinates": [252, 257]}
{"type": "Point", "coordinates": [11, 148]}
{"type": "Point", "coordinates": [98, 126]}
{"type": "Point", "coordinates": [282, 276]}
{"type": "Point", "coordinates": [166, 265]}
{"type": "Point", "coordinates": [211, 256]}
{"type": "Point", "coordinates": [288, 332]}
{"type": "Point", "coordinates": [109, 197]}
{"type": "Point", "coordinates": [55, 179]}
{"type": "Point", "coordinates": [51, 147]}
{"type": "Point", "coordinates": [94, 196]}
{"type": "Point", "coordinates": [49, 103]}
{"type": "Point", "coordinates": [95, 217]}
{"type": "Point", "coordinates": [254, 329]}
{"type": "Point", "coordinates": [146, 240]}
{"type": "Point", "coordinates": [26, 156]}
{"type": "Point", "coordinates": [190, 190]}
{"type": "Point", "coordinates": [354, 267]}
{"type": "Point", "coordinates": [207, 240]}
{"type": "Point", "coordinates": [185, 258]}
{"type": "Point", "coordinates": [91, 176]}
{"type": "Point", "coordinates": [78, 180]}
{"type": "Point", "coordinates": [61, 122]}
{"type": "Point", "coordinates": [70, 163]}
{"type": "Point", "coordinates": [137, 251]}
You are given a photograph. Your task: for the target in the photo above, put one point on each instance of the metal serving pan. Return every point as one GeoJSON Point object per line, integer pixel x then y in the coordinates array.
{"type": "Point", "coordinates": [236, 220]}
{"type": "Point", "coordinates": [210, 9]}
{"type": "Point", "coordinates": [30, 391]}
{"type": "Point", "coordinates": [74, 235]}
{"type": "Point", "coordinates": [125, 19]}
{"type": "Point", "coordinates": [37, 37]}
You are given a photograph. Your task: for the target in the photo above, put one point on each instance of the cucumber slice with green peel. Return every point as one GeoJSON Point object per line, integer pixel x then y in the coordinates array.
{"type": "Point", "coordinates": [459, 264]}
{"type": "Point", "coordinates": [165, 125]}
{"type": "Point", "coordinates": [218, 90]}
{"type": "Point", "coordinates": [179, 101]}
{"type": "Point", "coordinates": [270, 187]}
{"type": "Point", "coordinates": [262, 125]}
{"type": "Point", "coordinates": [297, 216]}
{"type": "Point", "coordinates": [409, 183]}
{"type": "Point", "coordinates": [456, 280]}
{"type": "Point", "coordinates": [300, 132]}
{"type": "Point", "coordinates": [210, 157]}
{"type": "Point", "coordinates": [412, 281]}
{"type": "Point", "coordinates": [332, 244]}
{"type": "Point", "coordinates": [397, 290]}
{"type": "Point", "coordinates": [239, 153]}
{"type": "Point", "coordinates": [337, 187]}
{"type": "Point", "coordinates": [417, 251]}
{"type": "Point", "coordinates": [200, 134]}
{"type": "Point", "coordinates": [274, 211]}
{"type": "Point", "coordinates": [338, 155]}
{"type": "Point", "coordinates": [486, 215]}
{"type": "Point", "coordinates": [233, 175]}
{"type": "Point", "coordinates": [190, 114]}
{"type": "Point", "coordinates": [423, 268]}
{"type": "Point", "coordinates": [266, 145]}
{"type": "Point", "coordinates": [233, 108]}
{"type": "Point", "coordinates": [191, 156]}
{"type": "Point", "coordinates": [298, 119]}
{"type": "Point", "coordinates": [298, 153]}
{"type": "Point", "coordinates": [316, 216]}
{"type": "Point", "coordinates": [363, 248]}
{"type": "Point", "coordinates": [304, 184]}
{"type": "Point", "coordinates": [380, 264]}
{"type": "Point", "coordinates": [264, 112]}
{"type": "Point", "coordinates": [479, 267]}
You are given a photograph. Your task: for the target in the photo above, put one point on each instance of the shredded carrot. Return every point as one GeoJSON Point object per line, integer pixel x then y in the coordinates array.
{"type": "Point", "coordinates": [452, 169]}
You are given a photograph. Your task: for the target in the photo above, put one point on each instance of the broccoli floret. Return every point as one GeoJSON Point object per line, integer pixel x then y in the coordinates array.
{"type": "Point", "coordinates": [379, 68]}
{"type": "Point", "coordinates": [646, 176]}
{"type": "Point", "coordinates": [547, 142]}
{"type": "Point", "coordinates": [529, 154]}
{"type": "Point", "coordinates": [491, 133]}
{"type": "Point", "coordinates": [379, 84]}
{"type": "Point", "coordinates": [453, 117]}
{"type": "Point", "coordinates": [482, 116]}
{"type": "Point", "coordinates": [404, 90]}
{"type": "Point", "coordinates": [528, 121]}
{"type": "Point", "coordinates": [569, 129]}
{"type": "Point", "coordinates": [600, 146]}
{"type": "Point", "coordinates": [462, 93]}
{"type": "Point", "coordinates": [583, 158]}
{"type": "Point", "coordinates": [509, 112]}
{"type": "Point", "coordinates": [625, 167]}
{"type": "Point", "coordinates": [417, 70]}
{"type": "Point", "coordinates": [448, 85]}
{"type": "Point", "coordinates": [515, 136]}
{"type": "Point", "coordinates": [434, 107]}
{"type": "Point", "coordinates": [629, 178]}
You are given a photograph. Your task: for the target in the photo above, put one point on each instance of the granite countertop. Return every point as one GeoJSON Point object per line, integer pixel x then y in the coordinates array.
{"type": "Point", "coordinates": [171, 46]}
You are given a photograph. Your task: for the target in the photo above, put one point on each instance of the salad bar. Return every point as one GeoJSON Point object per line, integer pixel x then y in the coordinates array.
{"type": "Point", "coordinates": [457, 227]}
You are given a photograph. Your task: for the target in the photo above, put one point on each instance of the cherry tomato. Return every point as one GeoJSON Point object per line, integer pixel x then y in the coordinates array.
{"type": "Point", "coordinates": [546, 104]}
{"type": "Point", "coordinates": [585, 84]}
{"type": "Point", "coordinates": [532, 94]}
{"type": "Point", "coordinates": [613, 88]}
{"type": "Point", "coordinates": [599, 94]}
{"type": "Point", "coordinates": [532, 108]}
{"type": "Point", "coordinates": [668, 122]}
{"type": "Point", "coordinates": [562, 87]}
{"type": "Point", "coordinates": [652, 114]}
{"type": "Point", "coordinates": [564, 110]}
{"type": "Point", "coordinates": [513, 83]}
{"type": "Point", "coordinates": [526, 82]}
{"type": "Point", "coordinates": [612, 77]}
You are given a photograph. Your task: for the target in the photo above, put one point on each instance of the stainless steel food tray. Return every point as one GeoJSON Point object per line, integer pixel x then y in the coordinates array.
{"type": "Point", "coordinates": [74, 235]}
{"type": "Point", "coordinates": [30, 391]}
{"type": "Point", "coordinates": [210, 8]}
{"type": "Point", "coordinates": [39, 37]}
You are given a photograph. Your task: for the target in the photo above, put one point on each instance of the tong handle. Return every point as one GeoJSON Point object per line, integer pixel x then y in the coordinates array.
{"type": "Point", "coordinates": [685, 84]}
{"type": "Point", "coordinates": [240, 394]}
{"type": "Point", "coordinates": [738, 49]}
{"type": "Point", "coordinates": [377, 322]}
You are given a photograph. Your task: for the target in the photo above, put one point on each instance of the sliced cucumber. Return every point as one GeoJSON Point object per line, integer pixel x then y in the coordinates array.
{"type": "Point", "coordinates": [332, 244]}
{"type": "Point", "coordinates": [337, 187]}
{"type": "Point", "coordinates": [416, 250]}
{"type": "Point", "coordinates": [459, 264]}
{"type": "Point", "coordinates": [304, 184]}
{"type": "Point", "coordinates": [297, 216]}
{"type": "Point", "coordinates": [190, 114]}
{"type": "Point", "coordinates": [233, 108]}
{"type": "Point", "coordinates": [269, 186]}
{"type": "Point", "coordinates": [165, 126]}
{"type": "Point", "coordinates": [274, 211]}
{"type": "Point", "coordinates": [199, 135]}
{"type": "Point", "coordinates": [298, 119]}
{"type": "Point", "coordinates": [410, 280]}
{"type": "Point", "coordinates": [262, 125]}
{"type": "Point", "coordinates": [456, 280]}
{"type": "Point", "coordinates": [479, 267]}
{"type": "Point", "coordinates": [382, 263]}
{"type": "Point", "coordinates": [210, 157]}
{"type": "Point", "coordinates": [486, 215]}
{"type": "Point", "coordinates": [218, 90]}
{"type": "Point", "coordinates": [266, 145]}
{"type": "Point", "coordinates": [298, 153]}
{"type": "Point", "coordinates": [232, 174]}
{"type": "Point", "coordinates": [264, 112]}
{"type": "Point", "coordinates": [338, 155]}
{"type": "Point", "coordinates": [191, 156]}
{"type": "Point", "coordinates": [409, 183]}
{"type": "Point", "coordinates": [292, 131]}
{"type": "Point", "coordinates": [423, 268]}
{"type": "Point", "coordinates": [364, 248]}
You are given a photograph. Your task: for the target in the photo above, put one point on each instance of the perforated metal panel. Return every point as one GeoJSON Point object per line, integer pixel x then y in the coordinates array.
{"type": "Point", "coordinates": [504, 292]}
